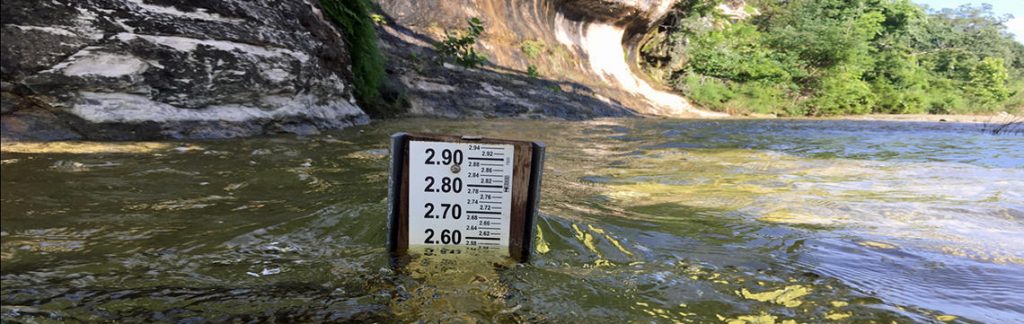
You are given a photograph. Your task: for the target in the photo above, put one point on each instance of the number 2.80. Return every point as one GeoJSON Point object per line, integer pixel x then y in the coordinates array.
{"type": "Point", "coordinates": [447, 185]}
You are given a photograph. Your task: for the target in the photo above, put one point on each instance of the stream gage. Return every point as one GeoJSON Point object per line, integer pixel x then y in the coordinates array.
{"type": "Point", "coordinates": [451, 194]}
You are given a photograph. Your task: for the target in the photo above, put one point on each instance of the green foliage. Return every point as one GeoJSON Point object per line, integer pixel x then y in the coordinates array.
{"type": "Point", "coordinates": [841, 92]}
{"type": "Point", "coordinates": [353, 18]}
{"type": "Point", "coordinates": [828, 57]}
{"type": "Point", "coordinates": [761, 98]}
{"type": "Point", "coordinates": [531, 71]}
{"type": "Point", "coordinates": [988, 81]}
{"type": "Point", "coordinates": [1015, 103]}
{"type": "Point", "coordinates": [822, 34]}
{"type": "Point", "coordinates": [943, 97]}
{"type": "Point", "coordinates": [706, 91]}
{"type": "Point", "coordinates": [742, 98]}
{"type": "Point", "coordinates": [900, 84]}
{"type": "Point", "coordinates": [733, 53]}
{"type": "Point", "coordinates": [378, 19]}
{"type": "Point", "coordinates": [460, 45]}
{"type": "Point", "coordinates": [532, 48]}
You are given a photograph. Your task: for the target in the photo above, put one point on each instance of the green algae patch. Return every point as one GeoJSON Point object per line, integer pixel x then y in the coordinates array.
{"type": "Point", "coordinates": [946, 318]}
{"type": "Point", "coordinates": [790, 217]}
{"type": "Point", "coordinates": [789, 296]}
{"type": "Point", "coordinates": [542, 245]}
{"type": "Point", "coordinates": [838, 316]}
{"type": "Point", "coordinates": [610, 239]}
{"type": "Point", "coordinates": [781, 217]}
{"type": "Point", "coordinates": [603, 263]}
{"type": "Point", "coordinates": [754, 319]}
{"type": "Point", "coordinates": [586, 238]}
{"type": "Point", "coordinates": [977, 253]}
{"type": "Point", "coordinates": [708, 195]}
{"type": "Point", "coordinates": [877, 245]}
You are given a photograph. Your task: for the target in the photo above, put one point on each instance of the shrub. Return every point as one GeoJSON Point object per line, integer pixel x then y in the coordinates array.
{"type": "Point", "coordinates": [988, 82]}
{"type": "Point", "coordinates": [354, 19]}
{"type": "Point", "coordinates": [735, 53]}
{"type": "Point", "coordinates": [759, 97]}
{"type": "Point", "coordinates": [841, 92]}
{"type": "Point", "coordinates": [532, 48]}
{"type": "Point", "coordinates": [1015, 103]}
{"type": "Point", "coordinates": [460, 45]}
{"type": "Point", "coordinates": [532, 71]}
{"type": "Point", "coordinates": [893, 99]}
{"type": "Point", "coordinates": [942, 97]}
{"type": "Point", "coordinates": [900, 83]}
{"type": "Point", "coordinates": [378, 19]}
{"type": "Point", "coordinates": [706, 91]}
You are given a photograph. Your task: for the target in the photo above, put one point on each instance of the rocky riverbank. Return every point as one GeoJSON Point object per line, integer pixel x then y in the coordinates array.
{"type": "Point", "coordinates": [158, 69]}
{"type": "Point", "coordinates": [152, 69]}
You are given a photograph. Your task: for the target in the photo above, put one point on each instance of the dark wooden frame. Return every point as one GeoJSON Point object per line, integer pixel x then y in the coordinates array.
{"type": "Point", "coordinates": [528, 169]}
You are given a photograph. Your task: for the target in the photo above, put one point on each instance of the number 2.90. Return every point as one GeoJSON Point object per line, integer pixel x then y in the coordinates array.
{"type": "Point", "coordinates": [447, 157]}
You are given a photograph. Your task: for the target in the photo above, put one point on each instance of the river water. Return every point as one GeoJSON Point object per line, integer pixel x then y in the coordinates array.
{"type": "Point", "coordinates": [642, 220]}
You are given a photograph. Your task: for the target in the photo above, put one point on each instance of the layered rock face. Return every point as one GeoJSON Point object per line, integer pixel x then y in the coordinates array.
{"type": "Point", "coordinates": [138, 69]}
{"type": "Point", "coordinates": [586, 46]}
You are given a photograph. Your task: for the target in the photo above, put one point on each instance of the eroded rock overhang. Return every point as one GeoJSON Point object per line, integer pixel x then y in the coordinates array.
{"type": "Point", "coordinates": [591, 43]}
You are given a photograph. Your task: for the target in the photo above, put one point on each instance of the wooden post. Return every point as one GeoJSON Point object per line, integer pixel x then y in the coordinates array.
{"type": "Point", "coordinates": [527, 163]}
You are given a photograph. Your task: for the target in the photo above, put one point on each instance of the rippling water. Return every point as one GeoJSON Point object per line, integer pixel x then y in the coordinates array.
{"type": "Point", "coordinates": [663, 220]}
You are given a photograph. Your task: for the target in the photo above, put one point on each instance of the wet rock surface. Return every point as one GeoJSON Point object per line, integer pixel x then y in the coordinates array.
{"type": "Point", "coordinates": [445, 90]}
{"type": "Point", "coordinates": [136, 69]}
{"type": "Point", "coordinates": [500, 88]}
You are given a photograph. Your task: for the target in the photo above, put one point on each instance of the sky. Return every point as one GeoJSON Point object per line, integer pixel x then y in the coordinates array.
{"type": "Point", "coordinates": [1013, 7]}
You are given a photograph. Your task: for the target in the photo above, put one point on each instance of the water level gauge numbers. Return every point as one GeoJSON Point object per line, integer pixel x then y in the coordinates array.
{"type": "Point", "coordinates": [460, 193]}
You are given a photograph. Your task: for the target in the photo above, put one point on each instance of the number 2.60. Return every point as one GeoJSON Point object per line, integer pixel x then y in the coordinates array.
{"type": "Point", "coordinates": [447, 237]}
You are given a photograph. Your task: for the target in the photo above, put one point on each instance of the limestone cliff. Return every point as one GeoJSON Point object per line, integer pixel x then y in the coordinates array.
{"type": "Point", "coordinates": [584, 49]}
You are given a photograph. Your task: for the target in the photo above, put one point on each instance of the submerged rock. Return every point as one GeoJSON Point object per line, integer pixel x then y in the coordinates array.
{"type": "Point", "coordinates": [131, 69]}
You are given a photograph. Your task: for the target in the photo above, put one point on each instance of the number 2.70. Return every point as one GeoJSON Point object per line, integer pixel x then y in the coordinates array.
{"type": "Point", "coordinates": [455, 210]}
